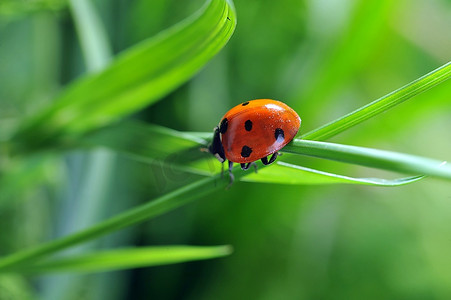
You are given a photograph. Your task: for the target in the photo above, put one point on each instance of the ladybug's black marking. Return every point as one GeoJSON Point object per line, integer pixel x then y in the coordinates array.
{"type": "Point", "coordinates": [245, 103]}
{"type": "Point", "coordinates": [246, 151]}
{"type": "Point", "coordinates": [223, 126]}
{"type": "Point", "coordinates": [279, 135]}
{"type": "Point", "coordinates": [248, 125]}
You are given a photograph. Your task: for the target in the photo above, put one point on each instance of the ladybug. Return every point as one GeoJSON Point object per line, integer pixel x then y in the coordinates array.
{"type": "Point", "coordinates": [254, 130]}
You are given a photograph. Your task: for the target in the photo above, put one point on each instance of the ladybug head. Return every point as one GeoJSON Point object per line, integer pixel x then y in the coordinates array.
{"type": "Point", "coordinates": [215, 146]}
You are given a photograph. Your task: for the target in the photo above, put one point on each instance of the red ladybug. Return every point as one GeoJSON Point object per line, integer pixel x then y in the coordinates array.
{"type": "Point", "coordinates": [254, 130]}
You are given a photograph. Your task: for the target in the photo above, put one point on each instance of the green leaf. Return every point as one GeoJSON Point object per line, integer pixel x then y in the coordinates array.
{"type": "Point", "coordinates": [138, 77]}
{"type": "Point", "coordinates": [137, 140]}
{"type": "Point", "coordinates": [120, 259]}
{"type": "Point", "coordinates": [380, 159]}
{"type": "Point", "coordinates": [145, 212]}
{"type": "Point", "coordinates": [349, 154]}
{"type": "Point", "coordinates": [381, 105]}
{"type": "Point", "coordinates": [92, 35]}
{"type": "Point", "coordinates": [285, 173]}
{"type": "Point", "coordinates": [182, 152]}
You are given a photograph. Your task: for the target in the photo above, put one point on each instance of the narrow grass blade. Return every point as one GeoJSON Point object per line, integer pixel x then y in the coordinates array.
{"type": "Point", "coordinates": [92, 35]}
{"type": "Point", "coordinates": [120, 259]}
{"type": "Point", "coordinates": [137, 140]}
{"type": "Point", "coordinates": [138, 77]}
{"type": "Point", "coordinates": [380, 105]}
{"type": "Point", "coordinates": [183, 152]}
{"type": "Point", "coordinates": [285, 173]}
{"type": "Point", "coordinates": [161, 205]}
{"type": "Point", "coordinates": [350, 154]}
{"type": "Point", "coordinates": [387, 160]}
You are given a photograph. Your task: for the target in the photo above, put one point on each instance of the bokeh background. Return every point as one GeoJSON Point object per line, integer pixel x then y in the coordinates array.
{"type": "Point", "coordinates": [322, 57]}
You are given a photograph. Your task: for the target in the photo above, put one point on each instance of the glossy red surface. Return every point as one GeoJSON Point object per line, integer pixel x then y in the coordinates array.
{"type": "Point", "coordinates": [268, 118]}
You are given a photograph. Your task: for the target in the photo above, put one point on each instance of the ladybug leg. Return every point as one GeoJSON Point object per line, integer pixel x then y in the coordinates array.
{"type": "Point", "coordinates": [255, 166]}
{"type": "Point", "coordinates": [245, 166]}
{"type": "Point", "coordinates": [222, 170]}
{"type": "Point", "coordinates": [271, 160]}
{"type": "Point", "coordinates": [232, 178]}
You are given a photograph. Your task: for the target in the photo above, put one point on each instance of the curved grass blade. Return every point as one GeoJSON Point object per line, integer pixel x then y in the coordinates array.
{"type": "Point", "coordinates": [357, 155]}
{"type": "Point", "coordinates": [380, 105]}
{"type": "Point", "coordinates": [181, 151]}
{"type": "Point", "coordinates": [380, 159]}
{"type": "Point", "coordinates": [159, 206]}
{"type": "Point", "coordinates": [285, 173]}
{"type": "Point", "coordinates": [138, 77]}
{"type": "Point", "coordinates": [120, 259]}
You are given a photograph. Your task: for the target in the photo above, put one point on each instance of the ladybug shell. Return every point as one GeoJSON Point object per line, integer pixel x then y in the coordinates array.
{"type": "Point", "coordinates": [258, 128]}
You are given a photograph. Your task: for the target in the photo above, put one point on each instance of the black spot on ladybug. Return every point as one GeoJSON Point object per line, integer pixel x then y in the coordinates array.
{"type": "Point", "coordinates": [246, 151]}
{"type": "Point", "coordinates": [248, 125]}
{"type": "Point", "coordinates": [223, 126]}
{"type": "Point", "coordinates": [245, 103]}
{"type": "Point", "coordinates": [279, 135]}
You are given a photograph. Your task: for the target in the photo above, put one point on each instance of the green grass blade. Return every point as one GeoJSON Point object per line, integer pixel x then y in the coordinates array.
{"type": "Point", "coordinates": [93, 37]}
{"type": "Point", "coordinates": [350, 154]}
{"type": "Point", "coordinates": [120, 259]}
{"type": "Point", "coordinates": [285, 173]}
{"type": "Point", "coordinates": [387, 160]}
{"type": "Point", "coordinates": [182, 151]}
{"type": "Point", "coordinates": [137, 140]}
{"type": "Point", "coordinates": [381, 105]}
{"type": "Point", "coordinates": [152, 209]}
{"type": "Point", "coordinates": [138, 77]}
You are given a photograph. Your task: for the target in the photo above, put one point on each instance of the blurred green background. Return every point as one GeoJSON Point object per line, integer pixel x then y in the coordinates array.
{"type": "Point", "coordinates": [322, 57]}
